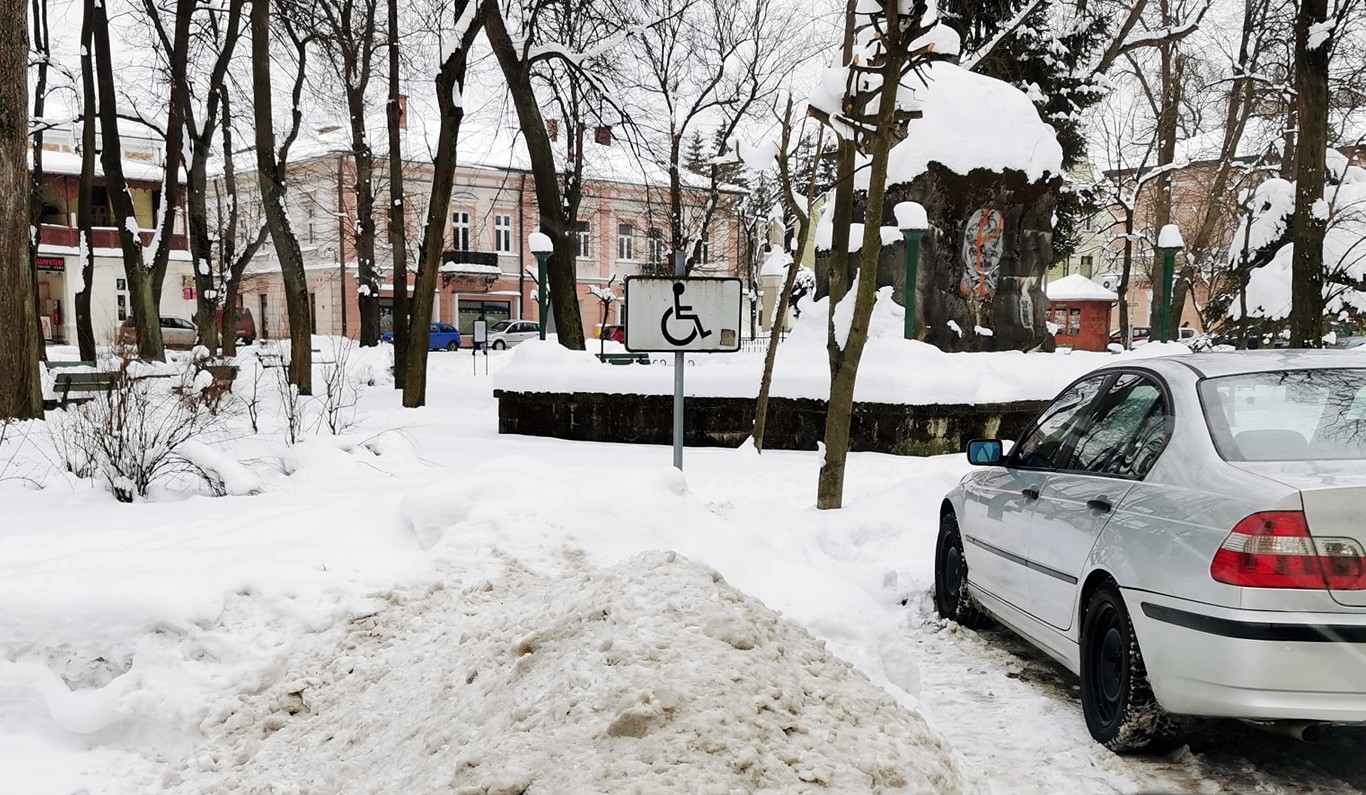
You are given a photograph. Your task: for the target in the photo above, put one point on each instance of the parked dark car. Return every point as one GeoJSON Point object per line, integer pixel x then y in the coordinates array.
{"type": "Point", "coordinates": [443, 336]}
{"type": "Point", "coordinates": [243, 324]}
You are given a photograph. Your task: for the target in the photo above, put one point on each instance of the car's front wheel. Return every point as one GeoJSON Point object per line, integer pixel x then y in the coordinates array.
{"type": "Point", "coordinates": [951, 597]}
{"type": "Point", "coordinates": [499, 345]}
{"type": "Point", "coordinates": [1121, 711]}
{"type": "Point", "coordinates": [452, 346]}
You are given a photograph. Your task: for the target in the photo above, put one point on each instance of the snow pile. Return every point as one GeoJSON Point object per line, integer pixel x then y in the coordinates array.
{"type": "Point", "coordinates": [652, 676]}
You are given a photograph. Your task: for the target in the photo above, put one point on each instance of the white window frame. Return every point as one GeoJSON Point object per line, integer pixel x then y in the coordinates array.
{"type": "Point", "coordinates": [658, 249]}
{"type": "Point", "coordinates": [460, 231]}
{"type": "Point", "coordinates": [584, 238]}
{"type": "Point", "coordinates": [502, 233]}
{"type": "Point", "coordinates": [626, 234]}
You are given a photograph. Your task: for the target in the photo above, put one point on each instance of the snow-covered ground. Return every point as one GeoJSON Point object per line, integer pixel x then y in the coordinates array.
{"type": "Point", "coordinates": [422, 605]}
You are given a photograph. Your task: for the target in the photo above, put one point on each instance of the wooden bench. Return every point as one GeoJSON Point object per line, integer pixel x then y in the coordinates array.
{"type": "Point", "coordinates": [623, 358]}
{"type": "Point", "coordinates": [65, 383]}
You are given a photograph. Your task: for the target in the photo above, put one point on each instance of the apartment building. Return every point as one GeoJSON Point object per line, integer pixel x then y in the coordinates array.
{"type": "Point", "coordinates": [487, 271]}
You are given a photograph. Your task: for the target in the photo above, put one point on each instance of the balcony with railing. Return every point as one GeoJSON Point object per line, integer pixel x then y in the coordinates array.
{"type": "Point", "coordinates": [101, 237]}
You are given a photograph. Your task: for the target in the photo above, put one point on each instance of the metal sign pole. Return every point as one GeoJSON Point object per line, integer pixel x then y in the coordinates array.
{"type": "Point", "coordinates": [680, 264]}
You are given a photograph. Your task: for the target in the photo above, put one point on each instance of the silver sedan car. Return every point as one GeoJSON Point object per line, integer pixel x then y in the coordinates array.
{"type": "Point", "coordinates": [1186, 535]}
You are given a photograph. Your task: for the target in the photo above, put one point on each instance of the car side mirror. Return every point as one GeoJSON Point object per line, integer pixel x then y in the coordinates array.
{"type": "Point", "coordinates": [986, 452]}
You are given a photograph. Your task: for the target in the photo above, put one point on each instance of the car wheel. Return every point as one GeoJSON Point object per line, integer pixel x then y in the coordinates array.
{"type": "Point", "coordinates": [499, 345]}
{"type": "Point", "coordinates": [452, 346]}
{"type": "Point", "coordinates": [1121, 711]}
{"type": "Point", "coordinates": [951, 598]}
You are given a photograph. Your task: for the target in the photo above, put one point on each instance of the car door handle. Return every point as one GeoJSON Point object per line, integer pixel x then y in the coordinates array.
{"type": "Point", "coordinates": [1100, 504]}
{"type": "Point", "coordinates": [1030, 492]}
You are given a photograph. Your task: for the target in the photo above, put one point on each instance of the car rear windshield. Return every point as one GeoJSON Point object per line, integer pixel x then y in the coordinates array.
{"type": "Point", "coordinates": [1291, 415]}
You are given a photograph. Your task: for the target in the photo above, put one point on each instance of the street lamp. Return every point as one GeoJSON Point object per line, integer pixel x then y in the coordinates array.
{"type": "Point", "coordinates": [541, 246]}
{"type": "Point", "coordinates": [1168, 242]}
{"type": "Point", "coordinates": [913, 221]}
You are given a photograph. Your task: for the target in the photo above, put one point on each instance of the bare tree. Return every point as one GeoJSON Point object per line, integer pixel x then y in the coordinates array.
{"type": "Point", "coordinates": [194, 117]}
{"type": "Point", "coordinates": [801, 209]}
{"type": "Point", "coordinates": [85, 224]}
{"type": "Point", "coordinates": [20, 387]}
{"type": "Point", "coordinates": [873, 119]}
{"type": "Point", "coordinates": [398, 216]}
{"type": "Point", "coordinates": [571, 65]}
{"type": "Point", "coordinates": [450, 85]}
{"type": "Point", "coordinates": [233, 224]}
{"type": "Point", "coordinates": [42, 57]}
{"type": "Point", "coordinates": [270, 168]}
{"type": "Point", "coordinates": [348, 36]}
{"type": "Point", "coordinates": [141, 287]}
{"type": "Point", "coordinates": [706, 63]}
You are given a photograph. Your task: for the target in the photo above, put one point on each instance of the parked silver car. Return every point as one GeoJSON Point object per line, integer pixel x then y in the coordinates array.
{"type": "Point", "coordinates": [1185, 534]}
{"type": "Point", "coordinates": [506, 333]}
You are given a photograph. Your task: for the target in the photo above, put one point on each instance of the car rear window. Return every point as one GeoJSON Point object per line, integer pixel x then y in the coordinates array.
{"type": "Point", "coordinates": [1290, 415]}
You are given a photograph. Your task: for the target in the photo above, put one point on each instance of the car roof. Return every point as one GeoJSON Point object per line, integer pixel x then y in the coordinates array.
{"type": "Point", "coordinates": [1215, 364]}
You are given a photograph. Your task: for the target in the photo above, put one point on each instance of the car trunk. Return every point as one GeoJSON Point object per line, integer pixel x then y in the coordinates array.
{"type": "Point", "coordinates": [1334, 496]}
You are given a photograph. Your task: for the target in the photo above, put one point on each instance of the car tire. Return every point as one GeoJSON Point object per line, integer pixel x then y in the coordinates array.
{"type": "Point", "coordinates": [452, 346]}
{"type": "Point", "coordinates": [499, 345]}
{"type": "Point", "coordinates": [1121, 711]}
{"type": "Point", "coordinates": [951, 597]}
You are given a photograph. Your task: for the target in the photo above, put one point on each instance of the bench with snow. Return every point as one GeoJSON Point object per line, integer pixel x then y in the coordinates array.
{"type": "Point", "coordinates": [623, 358]}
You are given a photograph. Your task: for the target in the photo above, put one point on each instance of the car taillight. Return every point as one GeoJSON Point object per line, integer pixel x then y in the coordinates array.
{"type": "Point", "coordinates": [1273, 549]}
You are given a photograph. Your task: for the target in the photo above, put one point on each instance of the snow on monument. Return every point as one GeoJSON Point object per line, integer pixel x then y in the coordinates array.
{"type": "Point", "coordinates": [988, 170]}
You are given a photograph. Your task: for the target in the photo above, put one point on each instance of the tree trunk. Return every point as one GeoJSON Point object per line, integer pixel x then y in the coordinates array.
{"type": "Point", "coordinates": [367, 281]}
{"type": "Point", "coordinates": [1125, 269]}
{"type": "Point", "coordinates": [146, 314]}
{"type": "Point", "coordinates": [270, 172]}
{"type": "Point", "coordinates": [556, 213]}
{"type": "Point", "coordinates": [85, 332]}
{"type": "Point", "coordinates": [1167, 129]}
{"type": "Point", "coordinates": [803, 215]}
{"type": "Point", "coordinates": [42, 57]}
{"type": "Point", "coordinates": [450, 83]}
{"type": "Point", "coordinates": [172, 187]}
{"type": "Point", "coordinates": [1309, 224]}
{"type": "Point", "coordinates": [21, 394]}
{"type": "Point", "coordinates": [846, 357]}
{"type": "Point", "coordinates": [398, 216]}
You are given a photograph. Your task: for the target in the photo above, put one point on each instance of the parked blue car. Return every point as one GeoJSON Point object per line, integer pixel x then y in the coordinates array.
{"type": "Point", "coordinates": [442, 336]}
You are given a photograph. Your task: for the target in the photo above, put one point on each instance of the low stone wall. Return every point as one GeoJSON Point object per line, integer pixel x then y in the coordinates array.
{"type": "Point", "coordinates": [793, 424]}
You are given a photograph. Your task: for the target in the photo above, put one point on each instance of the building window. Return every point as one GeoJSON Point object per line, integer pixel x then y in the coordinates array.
{"type": "Point", "coordinates": [581, 234]}
{"type": "Point", "coordinates": [704, 252]}
{"type": "Point", "coordinates": [460, 226]}
{"type": "Point", "coordinates": [1087, 267]}
{"type": "Point", "coordinates": [502, 234]}
{"type": "Point", "coordinates": [656, 245]}
{"type": "Point", "coordinates": [625, 242]}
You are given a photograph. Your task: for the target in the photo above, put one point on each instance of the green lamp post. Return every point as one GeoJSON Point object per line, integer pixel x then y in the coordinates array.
{"type": "Point", "coordinates": [1168, 242]}
{"type": "Point", "coordinates": [913, 221]}
{"type": "Point", "coordinates": [541, 246]}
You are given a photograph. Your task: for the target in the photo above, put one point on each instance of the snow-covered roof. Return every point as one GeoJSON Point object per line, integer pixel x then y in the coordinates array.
{"type": "Point", "coordinates": [1078, 288]}
{"type": "Point", "coordinates": [59, 162]}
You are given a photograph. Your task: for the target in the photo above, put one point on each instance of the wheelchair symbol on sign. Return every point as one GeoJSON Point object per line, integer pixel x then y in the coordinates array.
{"type": "Point", "coordinates": [682, 313]}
